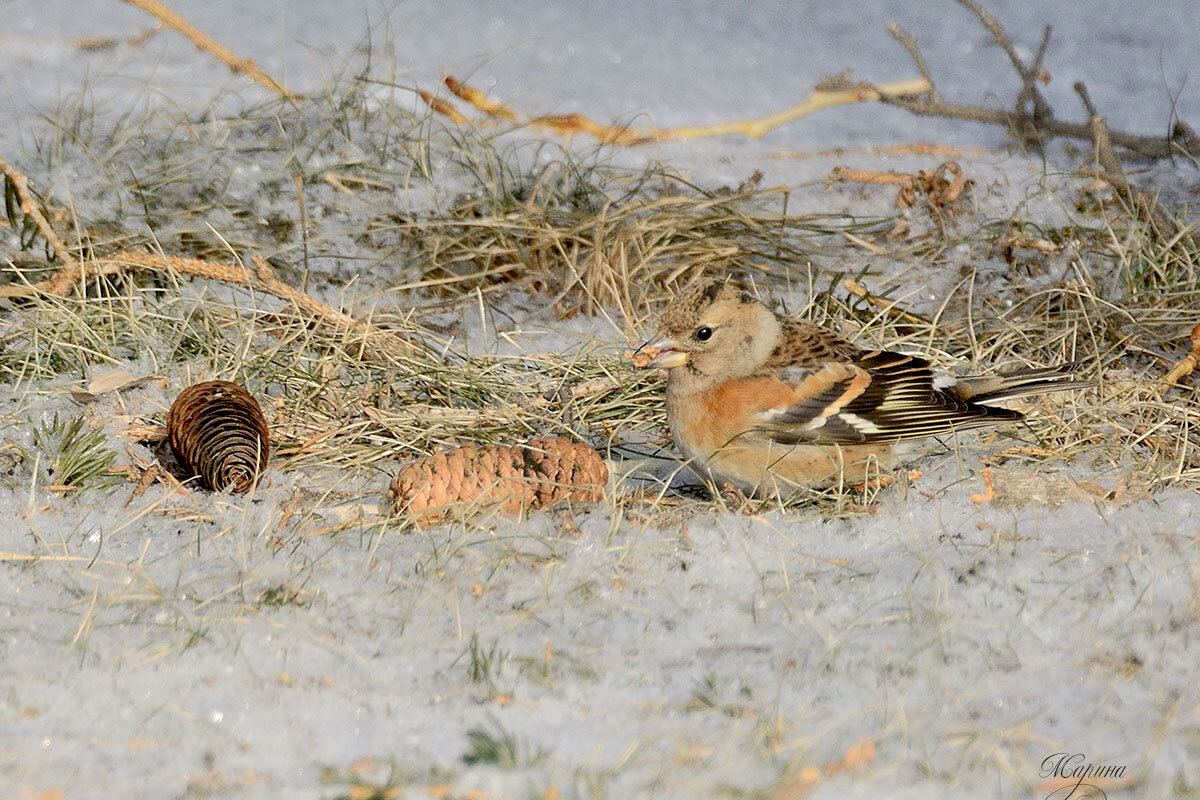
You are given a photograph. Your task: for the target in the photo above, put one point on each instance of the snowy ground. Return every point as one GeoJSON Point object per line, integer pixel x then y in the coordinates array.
{"type": "Point", "coordinates": [173, 648]}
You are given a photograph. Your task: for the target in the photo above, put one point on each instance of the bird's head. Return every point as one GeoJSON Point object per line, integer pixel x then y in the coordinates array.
{"type": "Point", "coordinates": [711, 331]}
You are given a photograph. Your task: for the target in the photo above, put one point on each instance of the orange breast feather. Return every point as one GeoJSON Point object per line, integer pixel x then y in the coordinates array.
{"type": "Point", "coordinates": [732, 407]}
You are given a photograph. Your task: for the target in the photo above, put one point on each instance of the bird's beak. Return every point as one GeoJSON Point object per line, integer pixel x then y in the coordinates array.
{"type": "Point", "coordinates": [660, 353]}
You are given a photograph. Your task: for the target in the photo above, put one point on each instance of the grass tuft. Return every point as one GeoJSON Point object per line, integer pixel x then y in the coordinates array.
{"type": "Point", "coordinates": [501, 748]}
{"type": "Point", "coordinates": [82, 460]}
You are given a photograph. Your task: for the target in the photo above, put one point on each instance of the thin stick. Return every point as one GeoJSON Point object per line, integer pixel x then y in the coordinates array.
{"type": "Point", "coordinates": [998, 35]}
{"type": "Point", "coordinates": [442, 107]}
{"type": "Point", "coordinates": [262, 279]}
{"type": "Point", "coordinates": [1148, 146]}
{"type": "Point", "coordinates": [1104, 153]}
{"type": "Point", "coordinates": [29, 208]}
{"type": "Point", "coordinates": [1029, 90]}
{"type": "Point", "coordinates": [1112, 172]}
{"type": "Point", "coordinates": [1042, 122]}
{"type": "Point", "coordinates": [818, 100]}
{"type": "Point", "coordinates": [206, 43]}
{"type": "Point", "coordinates": [1036, 68]}
{"type": "Point", "coordinates": [568, 124]}
{"type": "Point", "coordinates": [1089, 106]}
{"type": "Point", "coordinates": [909, 43]}
{"type": "Point", "coordinates": [841, 174]}
{"type": "Point", "coordinates": [1188, 365]}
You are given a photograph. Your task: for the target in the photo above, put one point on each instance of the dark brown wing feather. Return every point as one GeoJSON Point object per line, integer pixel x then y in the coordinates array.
{"type": "Point", "coordinates": [879, 396]}
{"type": "Point", "coordinates": [807, 346]}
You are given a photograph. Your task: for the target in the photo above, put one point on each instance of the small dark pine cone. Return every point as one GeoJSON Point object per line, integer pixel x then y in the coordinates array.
{"type": "Point", "coordinates": [218, 432]}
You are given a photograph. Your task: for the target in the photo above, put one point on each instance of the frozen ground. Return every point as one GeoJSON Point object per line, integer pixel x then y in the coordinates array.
{"type": "Point", "coordinates": [206, 647]}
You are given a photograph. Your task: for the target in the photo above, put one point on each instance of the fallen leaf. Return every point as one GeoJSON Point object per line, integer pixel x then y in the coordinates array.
{"type": "Point", "coordinates": [108, 381]}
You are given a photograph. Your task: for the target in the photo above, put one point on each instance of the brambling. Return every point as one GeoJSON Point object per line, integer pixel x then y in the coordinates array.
{"type": "Point", "coordinates": [770, 403]}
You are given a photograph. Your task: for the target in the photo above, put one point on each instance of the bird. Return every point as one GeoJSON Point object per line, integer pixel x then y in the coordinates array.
{"type": "Point", "coordinates": [771, 404]}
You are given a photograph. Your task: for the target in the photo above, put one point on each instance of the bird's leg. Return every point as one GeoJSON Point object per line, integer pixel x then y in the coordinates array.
{"type": "Point", "coordinates": [732, 497]}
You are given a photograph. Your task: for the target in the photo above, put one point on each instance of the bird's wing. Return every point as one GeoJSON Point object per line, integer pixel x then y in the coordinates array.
{"type": "Point", "coordinates": [877, 396]}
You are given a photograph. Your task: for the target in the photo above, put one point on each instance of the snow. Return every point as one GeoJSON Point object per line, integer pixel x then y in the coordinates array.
{"type": "Point", "coordinates": [173, 647]}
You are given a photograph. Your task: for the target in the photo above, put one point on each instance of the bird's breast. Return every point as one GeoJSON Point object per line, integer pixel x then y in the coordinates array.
{"type": "Point", "coordinates": [704, 421]}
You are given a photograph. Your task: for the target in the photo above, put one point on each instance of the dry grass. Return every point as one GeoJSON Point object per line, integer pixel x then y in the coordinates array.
{"type": "Point", "coordinates": [574, 231]}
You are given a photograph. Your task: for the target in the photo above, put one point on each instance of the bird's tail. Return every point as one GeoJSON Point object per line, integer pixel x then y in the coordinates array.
{"type": "Point", "coordinates": [988, 389]}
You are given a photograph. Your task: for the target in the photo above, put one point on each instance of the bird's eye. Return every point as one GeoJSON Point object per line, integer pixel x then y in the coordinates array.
{"type": "Point", "coordinates": [704, 333]}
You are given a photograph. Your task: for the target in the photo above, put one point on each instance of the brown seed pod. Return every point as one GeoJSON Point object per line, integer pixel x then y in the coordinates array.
{"type": "Point", "coordinates": [218, 432]}
{"type": "Point", "coordinates": [511, 479]}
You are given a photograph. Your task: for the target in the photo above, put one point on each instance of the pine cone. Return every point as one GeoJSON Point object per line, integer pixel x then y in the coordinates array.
{"type": "Point", "coordinates": [218, 432]}
{"type": "Point", "coordinates": [510, 479]}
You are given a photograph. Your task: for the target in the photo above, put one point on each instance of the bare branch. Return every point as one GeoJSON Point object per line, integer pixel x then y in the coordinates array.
{"type": "Point", "coordinates": [1111, 171]}
{"type": "Point", "coordinates": [1036, 68]}
{"type": "Point", "coordinates": [1089, 106]}
{"type": "Point", "coordinates": [1105, 156]}
{"type": "Point", "coordinates": [204, 42]}
{"type": "Point", "coordinates": [830, 92]}
{"type": "Point", "coordinates": [1001, 38]}
{"type": "Point", "coordinates": [1148, 146]}
{"type": "Point", "coordinates": [1029, 91]}
{"type": "Point", "coordinates": [909, 43]}
{"type": "Point", "coordinates": [29, 208]}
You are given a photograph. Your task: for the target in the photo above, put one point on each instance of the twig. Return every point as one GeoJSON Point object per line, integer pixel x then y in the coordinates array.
{"type": "Point", "coordinates": [262, 279]}
{"type": "Point", "coordinates": [825, 95]}
{"type": "Point", "coordinates": [29, 208]}
{"type": "Point", "coordinates": [821, 98]}
{"type": "Point", "coordinates": [1001, 38]}
{"type": "Point", "coordinates": [1104, 153]}
{"type": "Point", "coordinates": [1148, 146]}
{"type": "Point", "coordinates": [1187, 365]}
{"type": "Point", "coordinates": [339, 181]}
{"type": "Point", "coordinates": [206, 43]}
{"type": "Point", "coordinates": [1029, 90]}
{"type": "Point", "coordinates": [909, 43]}
{"type": "Point", "coordinates": [1029, 75]}
{"type": "Point", "coordinates": [1036, 69]}
{"type": "Point", "coordinates": [1041, 122]}
{"type": "Point", "coordinates": [841, 174]}
{"type": "Point", "coordinates": [1112, 172]}
{"type": "Point", "coordinates": [1088, 105]}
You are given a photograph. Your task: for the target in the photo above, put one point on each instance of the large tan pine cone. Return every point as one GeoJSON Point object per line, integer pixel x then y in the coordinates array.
{"type": "Point", "coordinates": [218, 432]}
{"type": "Point", "coordinates": [511, 479]}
